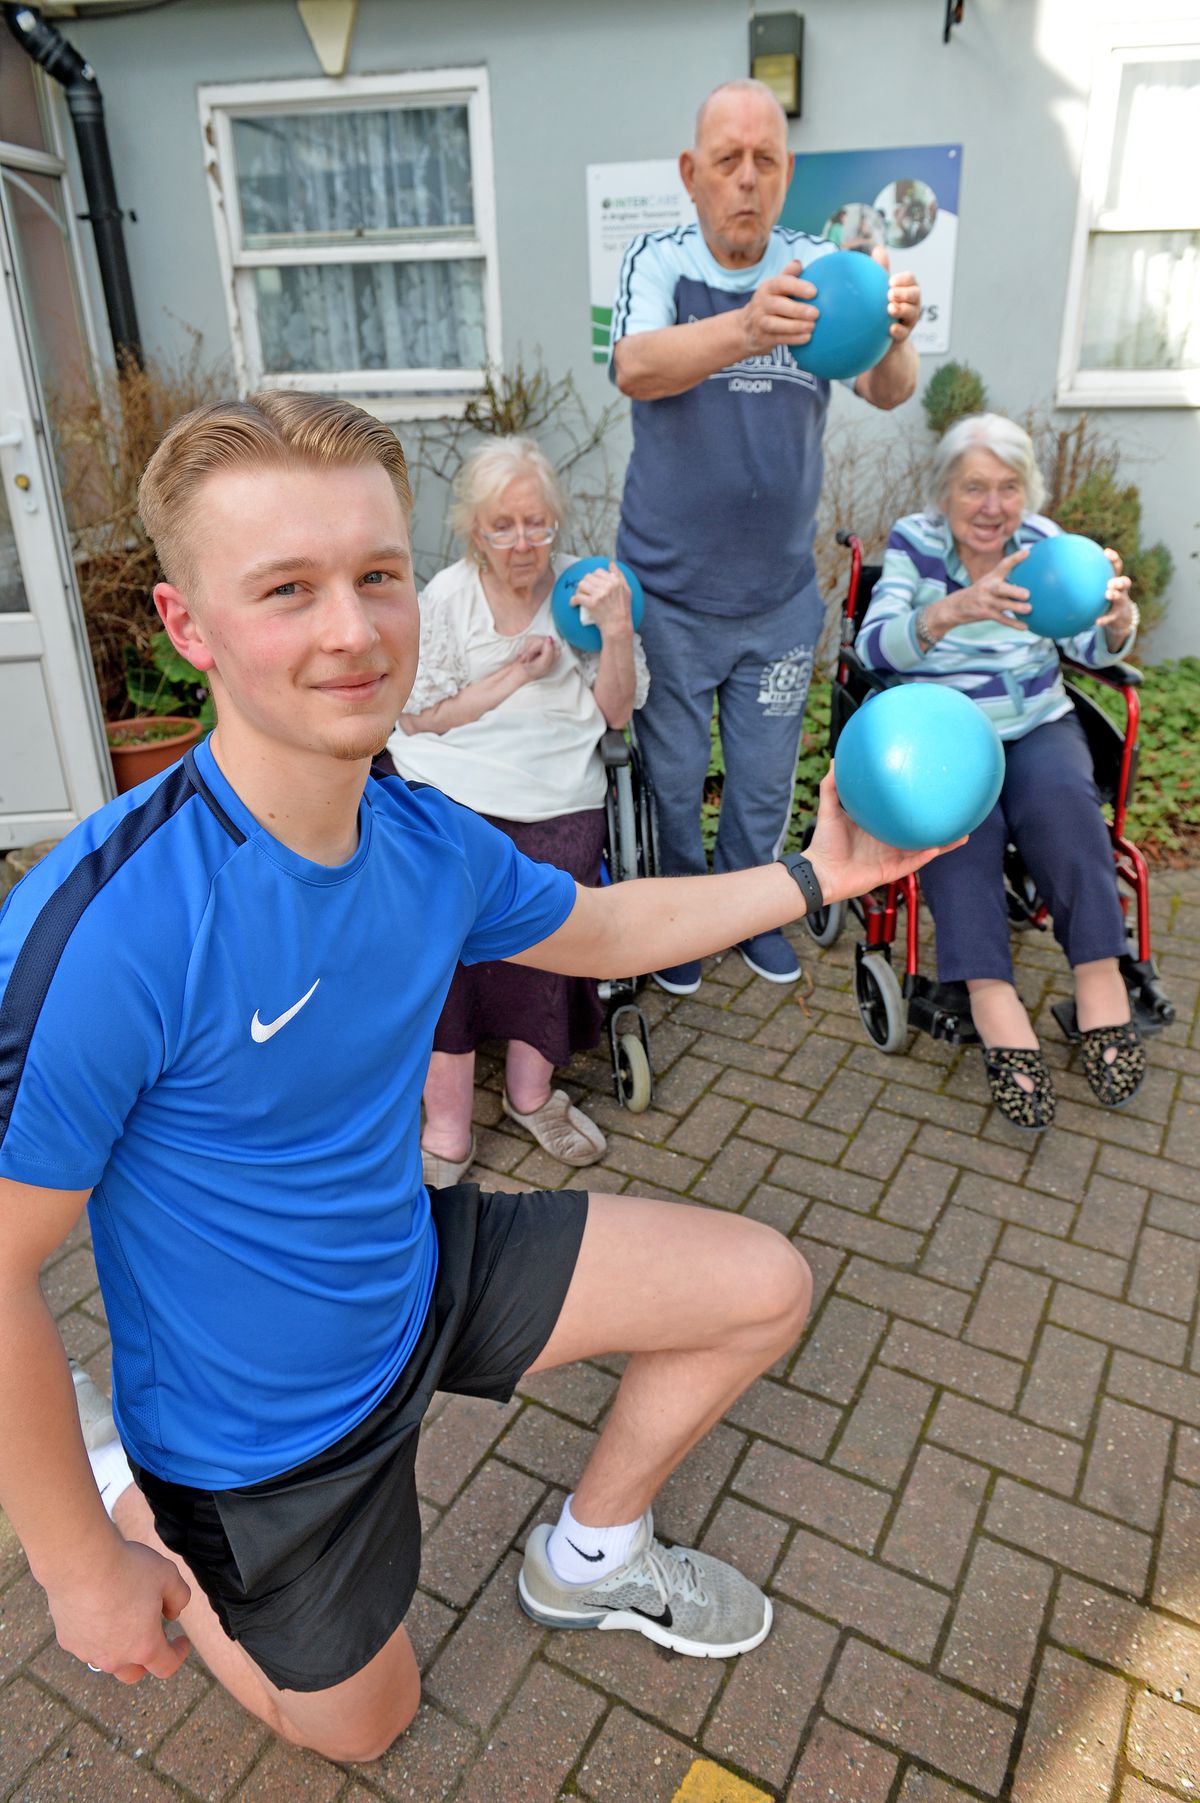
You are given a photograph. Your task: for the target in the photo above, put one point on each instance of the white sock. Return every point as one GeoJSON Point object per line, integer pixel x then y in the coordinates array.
{"type": "Point", "coordinates": [580, 1555]}
{"type": "Point", "coordinates": [110, 1468]}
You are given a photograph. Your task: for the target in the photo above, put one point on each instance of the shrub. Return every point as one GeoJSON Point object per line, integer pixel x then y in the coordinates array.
{"type": "Point", "coordinates": [104, 437]}
{"type": "Point", "coordinates": [950, 394]}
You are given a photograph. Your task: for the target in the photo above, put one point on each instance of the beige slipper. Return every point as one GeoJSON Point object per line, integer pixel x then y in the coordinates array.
{"type": "Point", "coordinates": [561, 1129]}
{"type": "Point", "coordinates": [444, 1173]}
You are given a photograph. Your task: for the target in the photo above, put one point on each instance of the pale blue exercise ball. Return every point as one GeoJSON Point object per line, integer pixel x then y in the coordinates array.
{"type": "Point", "coordinates": [854, 329]}
{"type": "Point", "coordinates": [1066, 577]}
{"type": "Point", "coordinates": [565, 614]}
{"type": "Point", "coordinates": [919, 765]}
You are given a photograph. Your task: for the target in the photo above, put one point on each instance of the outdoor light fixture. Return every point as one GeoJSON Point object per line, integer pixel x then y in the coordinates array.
{"type": "Point", "coordinates": [777, 54]}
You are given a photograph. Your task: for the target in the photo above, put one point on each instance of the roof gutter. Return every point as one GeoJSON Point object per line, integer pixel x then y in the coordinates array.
{"type": "Point", "coordinates": [47, 46]}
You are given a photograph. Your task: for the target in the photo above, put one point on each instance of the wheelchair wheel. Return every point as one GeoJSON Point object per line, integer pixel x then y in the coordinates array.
{"type": "Point", "coordinates": [881, 1002]}
{"type": "Point", "coordinates": [825, 924]}
{"type": "Point", "coordinates": [633, 1073]}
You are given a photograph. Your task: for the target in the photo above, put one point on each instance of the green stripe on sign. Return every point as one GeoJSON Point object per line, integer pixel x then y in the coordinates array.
{"type": "Point", "coordinates": [600, 335]}
{"type": "Point", "coordinates": [599, 356]}
{"type": "Point", "coordinates": [602, 316]}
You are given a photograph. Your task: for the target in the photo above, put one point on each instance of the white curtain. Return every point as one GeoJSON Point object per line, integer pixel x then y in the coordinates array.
{"type": "Point", "coordinates": [390, 175]}
{"type": "Point", "coordinates": [1142, 307]}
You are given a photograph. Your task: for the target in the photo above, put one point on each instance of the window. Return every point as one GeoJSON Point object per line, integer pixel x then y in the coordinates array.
{"type": "Point", "coordinates": [356, 227]}
{"type": "Point", "coordinates": [1132, 332]}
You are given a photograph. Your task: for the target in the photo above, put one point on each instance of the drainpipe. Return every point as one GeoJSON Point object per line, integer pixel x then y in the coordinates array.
{"type": "Point", "coordinates": [47, 46]}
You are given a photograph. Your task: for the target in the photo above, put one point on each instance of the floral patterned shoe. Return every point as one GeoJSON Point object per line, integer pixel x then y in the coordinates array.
{"type": "Point", "coordinates": [1115, 1079]}
{"type": "Point", "coordinates": [1031, 1109]}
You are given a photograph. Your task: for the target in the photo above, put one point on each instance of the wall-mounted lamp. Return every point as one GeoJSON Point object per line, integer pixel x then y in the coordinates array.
{"type": "Point", "coordinates": [777, 56]}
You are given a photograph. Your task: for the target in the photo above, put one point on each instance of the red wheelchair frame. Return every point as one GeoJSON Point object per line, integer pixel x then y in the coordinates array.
{"type": "Point", "coordinates": [890, 1007]}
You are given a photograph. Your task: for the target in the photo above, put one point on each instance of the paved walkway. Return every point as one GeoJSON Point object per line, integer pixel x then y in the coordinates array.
{"type": "Point", "coordinates": [974, 1492]}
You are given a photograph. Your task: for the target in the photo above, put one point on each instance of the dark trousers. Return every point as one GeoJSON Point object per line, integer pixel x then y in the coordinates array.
{"type": "Point", "coordinates": [1049, 808]}
{"type": "Point", "coordinates": [758, 666]}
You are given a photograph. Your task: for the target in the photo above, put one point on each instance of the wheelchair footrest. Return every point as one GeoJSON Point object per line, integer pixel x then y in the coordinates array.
{"type": "Point", "coordinates": [1151, 1008]}
{"type": "Point", "coordinates": [943, 1010]}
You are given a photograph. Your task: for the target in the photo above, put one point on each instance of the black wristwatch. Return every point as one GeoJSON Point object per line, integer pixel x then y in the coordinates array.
{"type": "Point", "coordinates": [805, 877]}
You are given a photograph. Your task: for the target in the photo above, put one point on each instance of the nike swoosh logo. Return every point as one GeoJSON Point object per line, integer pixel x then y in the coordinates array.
{"type": "Point", "coordinates": [262, 1030]}
{"type": "Point", "coordinates": [664, 1617]}
{"type": "Point", "coordinates": [592, 1558]}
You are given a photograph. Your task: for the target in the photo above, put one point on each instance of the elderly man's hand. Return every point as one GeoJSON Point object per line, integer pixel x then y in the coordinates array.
{"type": "Point", "coordinates": [778, 312]}
{"type": "Point", "coordinates": [904, 298]}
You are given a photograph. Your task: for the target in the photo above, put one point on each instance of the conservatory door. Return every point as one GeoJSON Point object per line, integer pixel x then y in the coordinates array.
{"type": "Point", "coordinates": [54, 765]}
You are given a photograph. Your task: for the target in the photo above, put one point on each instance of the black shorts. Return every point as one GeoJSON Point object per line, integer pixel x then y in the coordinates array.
{"type": "Point", "coordinates": [313, 1571]}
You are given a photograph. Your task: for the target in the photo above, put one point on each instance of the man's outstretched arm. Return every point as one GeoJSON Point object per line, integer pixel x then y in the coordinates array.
{"type": "Point", "coordinates": [107, 1595]}
{"type": "Point", "coordinates": [660, 921]}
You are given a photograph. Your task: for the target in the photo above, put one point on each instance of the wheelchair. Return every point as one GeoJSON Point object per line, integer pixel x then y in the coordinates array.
{"type": "Point", "coordinates": [631, 851]}
{"type": "Point", "coordinates": [892, 1006]}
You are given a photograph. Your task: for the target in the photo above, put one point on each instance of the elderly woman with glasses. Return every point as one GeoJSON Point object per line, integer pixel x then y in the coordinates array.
{"type": "Point", "coordinates": [948, 608]}
{"type": "Point", "coordinates": [507, 718]}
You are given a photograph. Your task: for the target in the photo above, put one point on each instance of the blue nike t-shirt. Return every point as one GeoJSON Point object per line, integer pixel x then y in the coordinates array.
{"type": "Point", "coordinates": [227, 1044]}
{"type": "Point", "coordinates": [720, 502]}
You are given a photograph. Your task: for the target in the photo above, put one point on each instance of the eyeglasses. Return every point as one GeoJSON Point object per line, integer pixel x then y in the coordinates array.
{"type": "Point", "coordinates": [507, 537]}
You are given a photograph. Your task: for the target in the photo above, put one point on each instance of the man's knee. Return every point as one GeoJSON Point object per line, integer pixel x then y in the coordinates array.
{"type": "Point", "coordinates": [776, 1285]}
{"type": "Point", "coordinates": [350, 1741]}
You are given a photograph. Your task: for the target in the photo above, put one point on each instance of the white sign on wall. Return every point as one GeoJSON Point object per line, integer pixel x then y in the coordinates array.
{"type": "Point", "coordinates": [624, 199]}
{"type": "Point", "coordinates": [904, 200]}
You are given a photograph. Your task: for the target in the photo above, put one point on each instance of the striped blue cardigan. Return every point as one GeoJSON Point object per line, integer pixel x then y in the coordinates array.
{"type": "Point", "coordinates": [1014, 676]}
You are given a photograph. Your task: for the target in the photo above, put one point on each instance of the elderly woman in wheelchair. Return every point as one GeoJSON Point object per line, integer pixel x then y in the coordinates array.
{"type": "Point", "coordinates": [948, 608]}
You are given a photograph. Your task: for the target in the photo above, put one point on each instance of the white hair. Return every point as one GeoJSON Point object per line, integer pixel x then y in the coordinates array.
{"type": "Point", "coordinates": [487, 472]}
{"type": "Point", "coordinates": [744, 84]}
{"type": "Point", "coordinates": [985, 432]}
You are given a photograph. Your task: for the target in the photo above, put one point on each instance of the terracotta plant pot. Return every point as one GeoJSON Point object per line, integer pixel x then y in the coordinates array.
{"type": "Point", "coordinates": [133, 763]}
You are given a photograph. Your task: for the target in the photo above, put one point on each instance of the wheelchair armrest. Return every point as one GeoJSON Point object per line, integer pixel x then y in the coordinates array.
{"type": "Point", "coordinates": [614, 748]}
{"type": "Point", "coordinates": [1116, 676]}
{"type": "Point", "coordinates": [871, 679]}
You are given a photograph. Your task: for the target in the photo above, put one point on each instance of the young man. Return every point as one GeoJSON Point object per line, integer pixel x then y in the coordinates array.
{"type": "Point", "coordinates": [218, 997]}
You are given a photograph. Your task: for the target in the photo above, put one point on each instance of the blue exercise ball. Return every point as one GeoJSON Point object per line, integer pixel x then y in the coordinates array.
{"type": "Point", "coordinates": [854, 329]}
{"type": "Point", "coordinates": [566, 614]}
{"type": "Point", "coordinates": [919, 765]}
{"type": "Point", "coordinates": [1066, 577]}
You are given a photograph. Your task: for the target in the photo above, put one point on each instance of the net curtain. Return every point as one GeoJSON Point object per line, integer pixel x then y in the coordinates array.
{"type": "Point", "coordinates": [385, 175]}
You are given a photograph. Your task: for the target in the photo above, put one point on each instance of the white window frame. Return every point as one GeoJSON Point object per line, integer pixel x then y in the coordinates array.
{"type": "Point", "coordinates": [393, 394]}
{"type": "Point", "coordinates": [1116, 47]}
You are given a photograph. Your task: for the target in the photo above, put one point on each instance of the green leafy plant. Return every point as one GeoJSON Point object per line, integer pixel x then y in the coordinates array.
{"type": "Point", "coordinates": [1111, 513]}
{"type": "Point", "coordinates": [950, 394]}
{"type": "Point", "coordinates": [1164, 811]}
{"type": "Point", "coordinates": [168, 684]}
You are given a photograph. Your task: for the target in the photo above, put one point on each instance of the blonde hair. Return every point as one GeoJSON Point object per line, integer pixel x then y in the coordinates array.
{"type": "Point", "coordinates": [275, 429]}
{"type": "Point", "coordinates": [985, 432]}
{"type": "Point", "coordinates": [487, 472]}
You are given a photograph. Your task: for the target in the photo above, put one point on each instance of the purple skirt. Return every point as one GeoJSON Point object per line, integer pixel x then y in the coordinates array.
{"type": "Point", "coordinates": [556, 1015]}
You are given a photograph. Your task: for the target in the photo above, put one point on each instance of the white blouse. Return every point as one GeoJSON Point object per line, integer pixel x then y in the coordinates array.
{"type": "Point", "coordinates": [536, 754]}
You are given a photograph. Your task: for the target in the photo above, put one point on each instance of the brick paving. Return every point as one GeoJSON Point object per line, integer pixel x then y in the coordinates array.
{"type": "Point", "coordinates": [973, 1491]}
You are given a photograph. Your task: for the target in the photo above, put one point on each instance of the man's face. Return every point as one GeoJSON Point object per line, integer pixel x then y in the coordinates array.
{"type": "Point", "coordinates": [303, 608]}
{"type": "Point", "coordinates": [737, 175]}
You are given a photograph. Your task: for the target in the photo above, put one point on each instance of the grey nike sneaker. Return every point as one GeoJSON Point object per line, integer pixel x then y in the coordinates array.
{"type": "Point", "coordinates": [684, 1600]}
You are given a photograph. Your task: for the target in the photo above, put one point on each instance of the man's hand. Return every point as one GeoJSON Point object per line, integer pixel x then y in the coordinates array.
{"type": "Point", "coordinates": [778, 312]}
{"type": "Point", "coordinates": [848, 862]}
{"type": "Point", "coordinates": [904, 298]}
{"type": "Point", "coordinates": [115, 1620]}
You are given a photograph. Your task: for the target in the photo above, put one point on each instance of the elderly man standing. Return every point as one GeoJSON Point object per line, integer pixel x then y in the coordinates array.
{"type": "Point", "coordinates": [721, 493]}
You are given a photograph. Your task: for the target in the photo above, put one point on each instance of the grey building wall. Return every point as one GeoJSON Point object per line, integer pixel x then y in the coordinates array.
{"type": "Point", "coordinates": [574, 83]}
